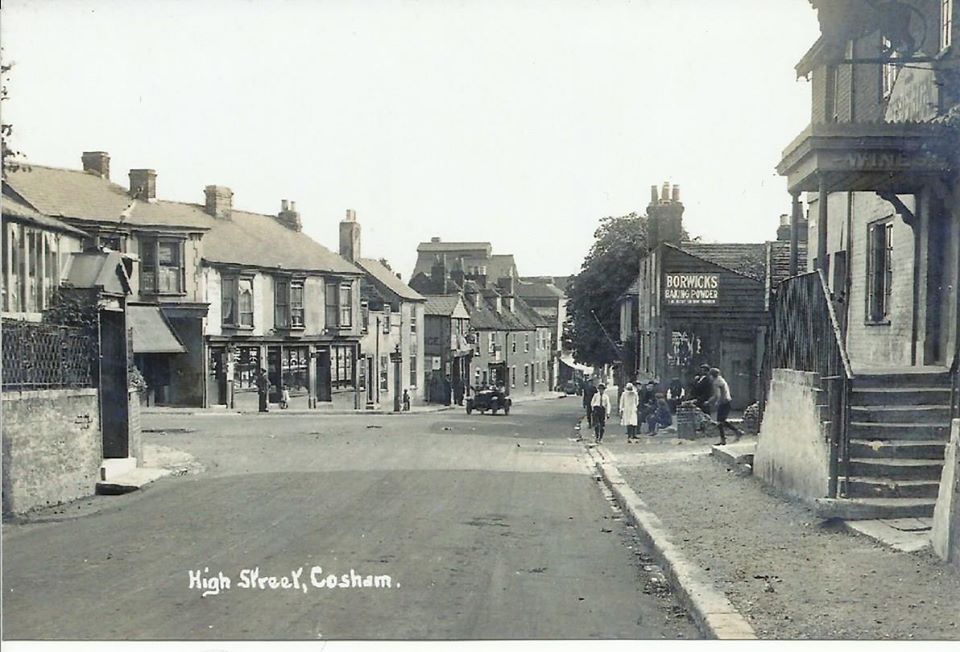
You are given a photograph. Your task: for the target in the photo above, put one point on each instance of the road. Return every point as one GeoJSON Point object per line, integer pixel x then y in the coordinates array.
{"type": "Point", "coordinates": [488, 527]}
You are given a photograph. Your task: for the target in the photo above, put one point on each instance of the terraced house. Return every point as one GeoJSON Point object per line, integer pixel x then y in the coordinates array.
{"type": "Point", "coordinates": [865, 336]}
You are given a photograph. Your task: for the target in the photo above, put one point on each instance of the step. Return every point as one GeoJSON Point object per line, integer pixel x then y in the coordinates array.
{"type": "Point", "coordinates": [939, 414]}
{"type": "Point", "coordinates": [130, 481]}
{"type": "Point", "coordinates": [858, 487]}
{"type": "Point", "coordinates": [854, 509]}
{"type": "Point", "coordinates": [116, 466]}
{"type": "Point", "coordinates": [939, 377]}
{"type": "Point", "coordinates": [896, 396]}
{"type": "Point", "coordinates": [898, 448]}
{"type": "Point", "coordinates": [901, 431]}
{"type": "Point", "coordinates": [896, 469]}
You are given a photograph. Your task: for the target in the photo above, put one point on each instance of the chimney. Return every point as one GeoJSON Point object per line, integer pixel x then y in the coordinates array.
{"type": "Point", "coordinates": [458, 277]}
{"type": "Point", "coordinates": [97, 163]}
{"type": "Point", "coordinates": [664, 217]}
{"type": "Point", "coordinates": [438, 274]}
{"type": "Point", "coordinates": [783, 231]}
{"type": "Point", "coordinates": [471, 295]}
{"type": "Point", "coordinates": [143, 184]}
{"type": "Point", "coordinates": [350, 237]}
{"type": "Point", "coordinates": [219, 202]}
{"type": "Point", "coordinates": [435, 239]}
{"type": "Point", "coordinates": [288, 215]}
{"type": "Point", "coordinates": [506, 285]}
{"type": "Point", "coordinates": [653, 195]}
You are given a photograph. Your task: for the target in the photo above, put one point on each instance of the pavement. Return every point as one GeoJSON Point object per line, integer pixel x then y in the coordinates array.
{"type": "Point", "coordinates": [747, 563]}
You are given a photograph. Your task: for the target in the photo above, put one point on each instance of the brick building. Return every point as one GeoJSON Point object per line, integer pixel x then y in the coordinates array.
{"type": "Point", "coordinates": [871, 329]}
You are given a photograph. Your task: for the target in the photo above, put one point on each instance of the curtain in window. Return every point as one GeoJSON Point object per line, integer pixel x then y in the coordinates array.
{"type": "Point", "coordinates": [245, 301]}
{"type": "Point", "coordinates": [281, 305]}
{"type": "Point", "coordinates": [228, 302]}
{"type": "Point", "coordinates": [346, 305]}
{"type": "Point", "coordinates": [331, 317]}
{"type": "Point", "coordinates": [296, 305]}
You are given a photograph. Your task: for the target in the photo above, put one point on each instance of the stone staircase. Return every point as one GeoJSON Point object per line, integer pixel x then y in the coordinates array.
{"type": "Point", "coordinates": [899, 427]}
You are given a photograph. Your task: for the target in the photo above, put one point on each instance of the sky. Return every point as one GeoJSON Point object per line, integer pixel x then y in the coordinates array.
{"type": "Point", "coordinates": [521, 123]}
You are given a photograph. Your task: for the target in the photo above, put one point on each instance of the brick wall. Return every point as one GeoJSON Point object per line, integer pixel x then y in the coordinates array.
{"type": "Point", "coordinates": [886, 344]}
{"type": "Point", "coordinates": [51, 448]}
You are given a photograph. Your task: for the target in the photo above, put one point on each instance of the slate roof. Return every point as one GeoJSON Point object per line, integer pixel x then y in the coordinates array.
{"type": "Point", "coordinates": [98, 269]}
{"type": "Point", "coordinates": [529, 315]}
{"type": "Point", "coordinates": [76, 194]}
{"type": "Point", "coordinates": [538, 289]}
{"type": "Point", "coordinates": [442, 305]}
{"type": "Point", "coordinates": [748, 259]}
{"type": "Point", "coordinates": [21, 212]}
{"type": "Point", "coordinates": [388, 279]}
{"type": "Point", "coordinates": [261, 241]}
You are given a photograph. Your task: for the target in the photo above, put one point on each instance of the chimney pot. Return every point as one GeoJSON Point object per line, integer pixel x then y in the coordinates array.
{"type": "Point", "coordinates": [653, 195]}
{"type": "Point", "coordinates": [284, 204]}
{"type": "Point", "coordinates": [288, 216]}
{"type": "Point", "coordinates": [97, 163]}
{"type": "Point", "coordinates": [665, 191]}
{"type": "Point", "coordinates": [676, 192]}
{"type": "Point", "coordinates": [435, 239]}
{"type": "Point", "coordinates": [143, 184]}
{"type": "Point", "coordinates": [293, 205]}
{"type": "Point", "coordinates": [784, 220]}
{"type": "Point", "coordinates": [351, 215]}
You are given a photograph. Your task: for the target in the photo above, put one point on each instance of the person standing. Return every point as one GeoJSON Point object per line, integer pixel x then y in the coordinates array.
{"type": "Point", "coordinates": [629, 407]}
{"type": "Point", "coordinates": [703, 389]}
{"type": "Point", "coordinates": [722, 398]}
{"type": "Point", "coordinates": [600, 411]}
{"type": "Point", "coordinates": [589, 391]}
{"type": "Point", "coordinates": [263, 388]}
{"type": "Point", "coordinates": [675, 395]}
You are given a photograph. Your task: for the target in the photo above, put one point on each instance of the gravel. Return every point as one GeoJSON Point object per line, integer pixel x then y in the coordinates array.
{"type": "Point", "coordinates": [791, 575]}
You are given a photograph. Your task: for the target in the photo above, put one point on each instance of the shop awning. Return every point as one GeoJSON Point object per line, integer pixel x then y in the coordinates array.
{"type": "Point", "coordinates": [893, 157]}
{"type": "Point", "coordinates": [568, 360]}
{"type": "Point", "coordinates": [152, 332]}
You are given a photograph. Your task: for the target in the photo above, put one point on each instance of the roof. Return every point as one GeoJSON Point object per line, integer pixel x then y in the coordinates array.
{"type": "Point", "coordinates": [388, 279]}
{"type": "Point", "coordinates": [780, 260]}
{"type": "Point", "coordinates": [240, 241]}
{"type": "Point", "coordinates": [75, 194]}
{"type": "Point", "coordinates": [747, 259]}
{"type": "Point", "coordinates": [446, 306]}
{"type": "Point", "coordinates": [501, 266]}
{"type": "Point", "coordinates": [437, 247]}
{"type": "Point", "coordinates": [98, 269]}
{"type": "Point", "coordinates": [152, 332]}
{"type": "Point", "coordinates": [538, 289]}
{"type": "Point", "coordinates": [21, 212]}
{"type": "Point", "coordinates": [528, 314]}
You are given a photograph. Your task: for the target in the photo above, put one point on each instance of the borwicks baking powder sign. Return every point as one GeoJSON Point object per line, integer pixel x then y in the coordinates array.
{"type": "Point", "coordinates": [691, 289]}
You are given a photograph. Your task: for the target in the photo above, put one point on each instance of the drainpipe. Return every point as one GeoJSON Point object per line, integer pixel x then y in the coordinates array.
{"type": "Point", "coordinates": [795, 216]}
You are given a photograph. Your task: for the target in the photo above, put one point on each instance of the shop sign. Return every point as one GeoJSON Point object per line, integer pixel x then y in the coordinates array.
{"type": "Point", "coordinates": [691, 289]}
{"type": "Point", "coordinates": [915, 95]}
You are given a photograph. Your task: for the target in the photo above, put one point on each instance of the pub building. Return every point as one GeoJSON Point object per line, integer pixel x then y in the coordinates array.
{"type": "Point", "coordinates": [701, 303]}
{"type": "Point", "coordinates": [870, 316]}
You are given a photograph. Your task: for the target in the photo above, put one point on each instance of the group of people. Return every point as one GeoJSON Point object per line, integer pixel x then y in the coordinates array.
{"type": "Point", "coordinates": [655, 409]}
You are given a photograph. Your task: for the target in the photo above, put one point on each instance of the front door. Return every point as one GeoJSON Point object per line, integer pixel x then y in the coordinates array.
{"type": "Point", "coordinates": [324, 392]}
{"type": "Point", "coordinates": [114, 399]}
{"type": "Point", "coordinates": [737, 367]}
{"type": "Point", "coordinates": [274, 373]}
{"type": "Point", "coordinates": [938, 304]}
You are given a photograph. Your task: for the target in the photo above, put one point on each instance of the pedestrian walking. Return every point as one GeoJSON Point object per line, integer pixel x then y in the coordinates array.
{"type": "Point", "coordinates": [284, 398]}
{"type": "Point", "coordinates": [600, 409]}
{"type": "Point", "coordinates": [589, 390]}
{"type": "Point", "coordinates": [406, 401]}
{"type": "Point", "coordinates": [660, 416]}
{"type": "Point", "coordinates": [263, 387]}
{"type": "Point", "coordinates": [722, 398]}
{"type": "Point", "coordinates": [703, 390]}
{"type": "Point", "coordinates": [629, 409]}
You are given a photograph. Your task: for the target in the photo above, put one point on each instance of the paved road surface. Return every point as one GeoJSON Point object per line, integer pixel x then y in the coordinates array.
{"type": "Point", "coordinates": [488, 527]}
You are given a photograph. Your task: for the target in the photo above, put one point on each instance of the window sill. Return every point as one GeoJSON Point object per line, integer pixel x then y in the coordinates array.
{"type": "Point", "coordinates": [882, 322]}
{"type": "Point", "coordinates": [235, 327]}
{"type": "Point", "coordinates": [161, 294]}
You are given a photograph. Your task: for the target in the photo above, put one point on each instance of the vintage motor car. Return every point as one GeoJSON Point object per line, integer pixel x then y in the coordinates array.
{"type": "Point", "coordinates": [489, 398]}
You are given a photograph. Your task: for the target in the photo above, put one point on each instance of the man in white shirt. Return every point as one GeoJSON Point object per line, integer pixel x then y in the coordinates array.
{"type": "Point", "coordinates": [722, 398]}
{"type": "Point", "coordinates": [600, 411]}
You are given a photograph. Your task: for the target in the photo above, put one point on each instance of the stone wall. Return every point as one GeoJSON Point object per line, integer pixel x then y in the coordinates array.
{"type": "Point", "coordinates": [945, 534]}
{"type": "Point", "coordinates": [51, 447]}
{"type": "Point", "coordinates": [793, 452]}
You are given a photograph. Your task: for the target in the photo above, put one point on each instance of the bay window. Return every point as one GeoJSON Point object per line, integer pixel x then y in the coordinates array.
{"type": "Point", "coordinates": [161, 266]}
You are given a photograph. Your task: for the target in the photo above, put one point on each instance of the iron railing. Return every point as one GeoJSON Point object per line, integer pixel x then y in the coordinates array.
{"type": "Point", "coordinates": [805, 335]}
{"type": "Point", "coordinates": [47, 356]}
{"type": "Point", "coordinates": [955, 386]}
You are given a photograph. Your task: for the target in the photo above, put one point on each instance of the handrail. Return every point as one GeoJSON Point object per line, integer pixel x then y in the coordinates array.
{"type": "Point", "coordinates": [837, 333]}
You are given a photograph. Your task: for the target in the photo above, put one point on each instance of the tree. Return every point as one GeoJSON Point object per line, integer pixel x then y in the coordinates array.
{"type": "Point", "coordinates": [7, 153]}
{"type": "Point", "coordinates": [609, 268]}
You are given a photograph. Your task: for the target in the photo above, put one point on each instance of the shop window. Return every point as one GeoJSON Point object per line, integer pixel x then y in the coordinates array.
{"type": "Point", "coordinates": [161, 266]}
{"type": "Point", "coordinates": [236, 301]}
{"type": "Point", "coordinates": [879, 270]}
{"type": "Point", "coordinates": [341, 366]}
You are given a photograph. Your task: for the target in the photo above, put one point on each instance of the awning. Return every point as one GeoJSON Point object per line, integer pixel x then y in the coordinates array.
{"type": "Point", "coordinates": [152, 332]}
{"type": "Point", "coordinates": [568, 360]}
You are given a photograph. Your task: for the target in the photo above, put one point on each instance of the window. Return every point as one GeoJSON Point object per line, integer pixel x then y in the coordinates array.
{"type": "Point", "coordinates": [413, 322]}
{"type": "Point", "coordinates": [491, 344]}
{"type": "Point", "coordinates": [288, 303]}
{"type": "Point", "coordinates": [338, 304]}
{"type": "Point", "coordinates": [513, 377]}
{"type": "Point", "coordinates": [384, 368]}
{"type": "Point", "coordinates": [236, 301]}
{"type": "Point", "coordinates": [526, 374]}
{"type": "Point", "coordinates": [513, 342]}
{"type": "Point", "coordinates": [341, 366]}
{"type": "Point", "coordinates": [385, 320]}
{"type": "Point", "coordinates": [413, 367]}
{"type": "Point", "coordinates": [888, 71]}
{"type": "Point", "coordinates": [526, 342]}
{"type": "Point", "coordinates": [946, 23]}
{"type": "Point", "coordinates": [879, 270]}
{"type": "Point", "coordinates": [161, 266]}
